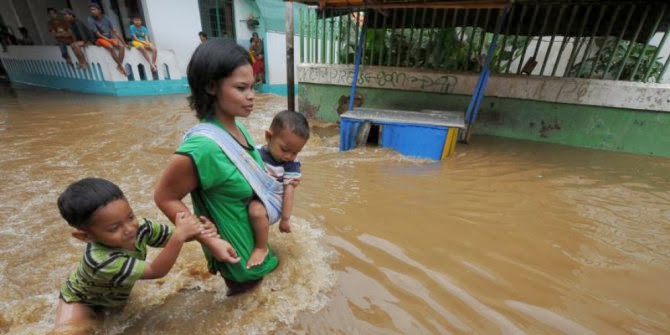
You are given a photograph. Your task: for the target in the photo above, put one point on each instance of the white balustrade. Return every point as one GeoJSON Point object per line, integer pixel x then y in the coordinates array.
{"type": "Point", "coordinates": [47, 60]}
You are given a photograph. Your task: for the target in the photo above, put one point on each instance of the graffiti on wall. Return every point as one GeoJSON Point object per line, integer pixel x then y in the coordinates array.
{"type": "Point", "coordinates": [618, 94]}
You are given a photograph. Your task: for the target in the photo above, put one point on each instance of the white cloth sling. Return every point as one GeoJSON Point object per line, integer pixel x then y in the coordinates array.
{"type": "Point", "coordinates": [268, 190]}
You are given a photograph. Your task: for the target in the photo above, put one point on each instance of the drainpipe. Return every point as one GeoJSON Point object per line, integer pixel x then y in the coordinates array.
{"type": "Point", "coordinates": [357, 61]}
{"type": "Point", "coordinates": [478, 95]}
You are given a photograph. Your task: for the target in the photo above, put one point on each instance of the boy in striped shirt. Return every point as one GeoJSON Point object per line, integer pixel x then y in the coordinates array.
{"type": "Point", "coordinates": [116, 249]}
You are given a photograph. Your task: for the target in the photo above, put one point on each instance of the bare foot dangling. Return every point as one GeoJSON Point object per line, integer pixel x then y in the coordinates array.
{"type": "Point", "coordinates": [257, 257]}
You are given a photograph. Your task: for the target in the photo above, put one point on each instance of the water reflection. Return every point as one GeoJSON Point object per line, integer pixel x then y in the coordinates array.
{"type": "Point", "coordinates": [506, 237]}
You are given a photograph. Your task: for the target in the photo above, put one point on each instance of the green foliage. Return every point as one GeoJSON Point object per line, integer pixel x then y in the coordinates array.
{"type": "Point", "coordinates": [601, 66]}
{"type": "Point", "coordinates": [447, 48]}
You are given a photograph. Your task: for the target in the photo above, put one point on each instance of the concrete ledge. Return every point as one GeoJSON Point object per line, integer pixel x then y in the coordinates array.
{"type": "Point", "coordinates": [607, 93]}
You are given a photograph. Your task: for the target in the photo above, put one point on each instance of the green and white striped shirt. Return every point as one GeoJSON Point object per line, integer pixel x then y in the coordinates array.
{"type": "Point", "coordinates": [106, 276]}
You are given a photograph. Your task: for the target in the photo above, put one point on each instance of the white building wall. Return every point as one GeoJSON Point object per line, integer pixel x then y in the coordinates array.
{"type": "Point", "coordinates": [242, 10]}
{"type": "Point", "coordinates": [174, 25]}
{"type": "Point", "coordinates": [276, 57]}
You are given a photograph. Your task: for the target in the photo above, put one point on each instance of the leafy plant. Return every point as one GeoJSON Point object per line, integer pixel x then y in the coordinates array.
{"type": "Point", "coordinates": [438, 48]}
{"type": "Point", "coordinates": [610, 60]}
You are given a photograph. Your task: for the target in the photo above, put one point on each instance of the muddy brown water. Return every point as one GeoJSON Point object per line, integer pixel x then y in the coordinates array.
{"type": "Point", "coordinates": [506, 237]}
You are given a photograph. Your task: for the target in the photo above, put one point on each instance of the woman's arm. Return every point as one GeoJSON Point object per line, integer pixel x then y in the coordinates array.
{"type": "Point", "coordinates": [178, 180]}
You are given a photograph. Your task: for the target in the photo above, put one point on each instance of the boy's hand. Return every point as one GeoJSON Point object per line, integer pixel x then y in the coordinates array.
{"type": "Point", "coordinates": [208, 228]}
{"type": "Point", "coordinates": [187, 227]}
{"type": "Point", "coordinates": [285, 225]}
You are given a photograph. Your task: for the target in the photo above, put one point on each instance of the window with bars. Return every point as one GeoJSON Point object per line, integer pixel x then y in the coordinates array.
{"type": "Point", "coordinates": [217, 18]}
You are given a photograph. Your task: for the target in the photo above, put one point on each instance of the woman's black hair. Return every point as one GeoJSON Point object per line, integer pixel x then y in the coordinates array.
{"type": "Point", "coordinates": [82, 198]}
{"type": "Point", "coordinates": [213, 60]}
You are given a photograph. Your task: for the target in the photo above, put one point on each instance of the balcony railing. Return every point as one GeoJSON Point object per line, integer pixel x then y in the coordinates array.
{"type": "Point", "coordinates": [44, 66]}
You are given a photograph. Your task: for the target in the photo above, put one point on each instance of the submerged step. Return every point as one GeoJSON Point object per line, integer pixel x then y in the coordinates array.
{"type": "Point", "coordinates": [425, 134]}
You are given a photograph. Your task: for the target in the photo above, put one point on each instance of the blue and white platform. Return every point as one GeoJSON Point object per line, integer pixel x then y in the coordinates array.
{"type": "Point", "coordinates": [428, 134]}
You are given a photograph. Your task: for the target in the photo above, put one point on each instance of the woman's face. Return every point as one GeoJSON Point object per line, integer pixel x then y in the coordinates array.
{"type": "Point", "coordinates": [235, 94]}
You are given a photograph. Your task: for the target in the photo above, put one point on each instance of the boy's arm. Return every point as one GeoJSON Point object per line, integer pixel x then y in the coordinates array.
{"type": "Point", "coordinates": [187, 227]}
{"type": "Point", "coordinates": [132, 34]}
{"type": "Point", "coordinates": [146, 35]}
{"type": "Point", "coordinates": [292, 176]}
{"type": "Point", "coordinates": [115, 33]}
{"type": "Point", "coordinates": [98, 34]}
{"type": "Point", "coordinates": [122, 40]}
{"type": "Point", "coordinates": [286, 208]}
{"type": "Point", "coordinates": [287, 205]}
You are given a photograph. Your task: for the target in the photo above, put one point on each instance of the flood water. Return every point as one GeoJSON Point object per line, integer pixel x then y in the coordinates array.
{"type": "Point", "coordinates": [506, 237]}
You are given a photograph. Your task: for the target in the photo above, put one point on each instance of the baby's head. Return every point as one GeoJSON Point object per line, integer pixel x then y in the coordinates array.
{"type": "Point", "coordinates": [99, 211]}
{"type": "Point", "coordinates": [288, 133]}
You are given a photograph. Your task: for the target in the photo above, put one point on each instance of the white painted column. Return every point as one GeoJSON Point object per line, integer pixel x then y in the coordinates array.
{"type": "Point", "coordinates": [275, 60]}
{"type": "Point", "coordinates": [174, 25]}
{"type": "Point", "coordinates": [124, 18]}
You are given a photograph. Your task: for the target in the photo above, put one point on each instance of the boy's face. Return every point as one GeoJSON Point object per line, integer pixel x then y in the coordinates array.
{"type": "Point", "coordinates": [113, 225]}
{"type": "Point", "coordinates": [95, 11]}
{"type": "Point", "coordinates": [53, 14]}
{"type": "Point", "coordinates": [137, 21]}
{"type": "Point", "coordinates": [284, 146]}
{"type": "Point", "coordinates": [68, 17]}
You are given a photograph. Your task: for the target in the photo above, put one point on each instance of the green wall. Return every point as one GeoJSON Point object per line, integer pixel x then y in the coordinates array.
{"type": "Point", "coordinates": [626, 130]}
